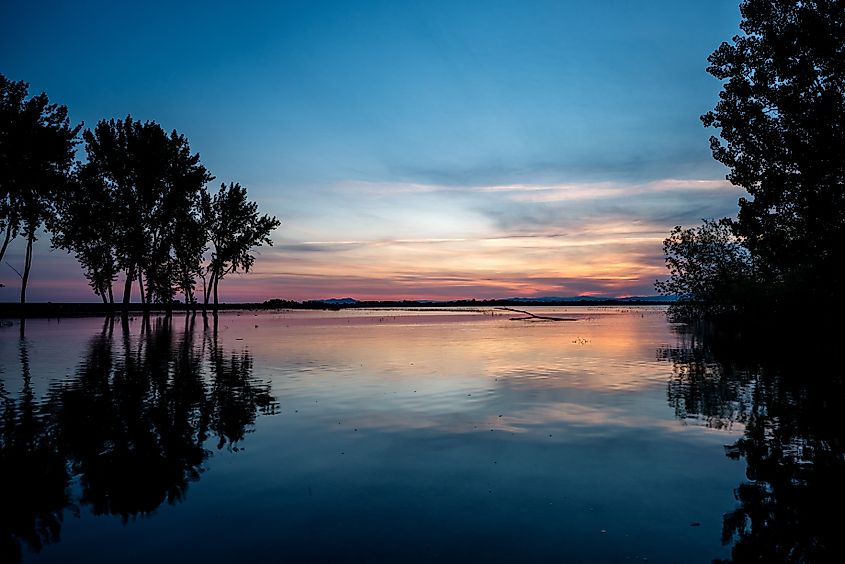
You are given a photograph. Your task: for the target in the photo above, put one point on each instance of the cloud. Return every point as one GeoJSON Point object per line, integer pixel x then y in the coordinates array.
{"type": "Point", "coordinates": [395, 240]}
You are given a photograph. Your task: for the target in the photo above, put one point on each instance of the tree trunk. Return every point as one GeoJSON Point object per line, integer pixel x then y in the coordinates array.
{"type": "Point", "coordinates": [207, 288]}
{"type": "Point", "coordinates": [99, 289]}
{"type": "Point", "coordinates": [149, 295]}
{"type": "Point", "coordinates": [189, 296]}
{"type": "Point", "coordinates": [30, 237]}
{"type": "Point", "coordinates": [6, 239]}
{"type": "Point", "coordinates": [216, 282]}
{"type": "Point", "coordinates": [127, 286]}
{"type": "Point", "coordinates": [141, 287]}
{"type": "Point", "coordinates": [111, 294]}
{"type": "Point", "coordinates": [202, 277]}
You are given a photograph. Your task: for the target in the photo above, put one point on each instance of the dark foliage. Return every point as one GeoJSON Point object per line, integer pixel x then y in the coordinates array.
{"type": "Point", "coordinates": [782, 119]}
{"type": "Point", "coordinates": [137, 209]}
{"type": "Point", "coordinates": [151, 186]}
{"type": "Point", "coordinates": [37, 147]}
{"type": "Point", "coordinates": [234, 229]}
{"type": "Point", "coordinates": [781, 116]}
{"type": "Point", "coordinates": [710, 270]}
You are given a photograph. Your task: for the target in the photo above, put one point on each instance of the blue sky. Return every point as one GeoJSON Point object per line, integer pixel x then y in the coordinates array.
{"type": "Point", "coordinates": [412, 149]}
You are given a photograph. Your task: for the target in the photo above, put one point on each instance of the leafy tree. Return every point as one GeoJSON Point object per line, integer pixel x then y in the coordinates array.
{"type": "Point", "coordinates": [85, 226]}
{"type": "Point", "coordinates": [37, 147]}
{"type": "Point", "coordinates": [234, 229]}
{"type": "Point", "coordinates": [781, 116]}
{"type": "Point", "coordinates": [710, 270]}
{"type": "Point", "coordinates": [154, 184]}
{"type": "Point", "coordinates": [12, 95]}
{"type": "Point", "coordinates": [190, 241]}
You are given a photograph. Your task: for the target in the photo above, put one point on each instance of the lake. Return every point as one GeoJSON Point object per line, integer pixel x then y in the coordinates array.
{"type": "Point", "coordinates": [405, 436]}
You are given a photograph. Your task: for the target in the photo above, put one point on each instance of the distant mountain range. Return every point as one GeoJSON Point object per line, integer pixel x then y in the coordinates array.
{"type": "Point", "coordinates": [338, 301]}
{"type": "Point", "coordinates": [547, 299]}
{"type": "Point", "coordinates": [542, 300]}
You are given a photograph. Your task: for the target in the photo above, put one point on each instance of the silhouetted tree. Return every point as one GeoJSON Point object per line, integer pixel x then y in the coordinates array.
{"type": "Point", "coordinates": [710, 270]}
{"type": "Point", "coordinates": [782, 119]}
{"type": "Point", "coordinates": [37, 146]}
{"type": "Point", "coordinates": [85, 226]}
{"type": "Point", "coordinates": [12, 95]}
{"type": "Point", "coordinates": [234, 229]}
{"type": "Point", "coordinates": [154, 183]}
{"type": "Point", "coordinates": [190, 242]}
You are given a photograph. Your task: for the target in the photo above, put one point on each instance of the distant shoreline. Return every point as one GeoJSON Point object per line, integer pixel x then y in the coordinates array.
{"type": "Point", "coordinates": [72, 309]}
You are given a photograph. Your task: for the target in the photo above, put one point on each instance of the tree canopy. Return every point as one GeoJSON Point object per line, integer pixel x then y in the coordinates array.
{"type": "Point", "coordinates": [781, 116]}
{"type": "Point", "coordinates": [37, 150]}
{"type": "Point", "coordinates": [151, 183]}
{"type": "Point", "coordinates": [234, 228]}
{"type": "Point", "coordinates": [137, 208]}
{"type": "Point", "coordinates": [710, 270]}
{"type": "Point", "coordinates": [781, 119]}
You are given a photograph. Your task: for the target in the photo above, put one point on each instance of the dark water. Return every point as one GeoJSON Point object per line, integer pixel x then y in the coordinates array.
{"type": "Point", "coordinates": [395, 436]}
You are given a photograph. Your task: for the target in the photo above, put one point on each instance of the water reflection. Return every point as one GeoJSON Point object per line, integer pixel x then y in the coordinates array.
{"type": "Point", "coordinates": [129, 431]}
{"type": "Point", "coordinates": [789, 508]}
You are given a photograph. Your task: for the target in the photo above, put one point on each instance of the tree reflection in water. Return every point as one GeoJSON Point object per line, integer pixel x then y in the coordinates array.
{"type": "Point", "coordinates": [787, 398]}
{"type": "Point", "coordinates": [131, 427]}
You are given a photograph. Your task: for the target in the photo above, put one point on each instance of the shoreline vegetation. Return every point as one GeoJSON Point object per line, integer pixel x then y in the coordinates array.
{"type": "Point", "coordinates": [83, 309]}
{"type": "Point", "coordinates": [138, 209]}
{"type": "Point", "coordinates": [781, 119]}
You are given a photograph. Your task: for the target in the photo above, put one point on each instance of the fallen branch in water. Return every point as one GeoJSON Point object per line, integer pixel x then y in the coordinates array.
{"type": "Point", "coordinates": [534, 316]}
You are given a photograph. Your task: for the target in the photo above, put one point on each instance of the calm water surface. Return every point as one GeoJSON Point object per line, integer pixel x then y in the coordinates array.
{"type": "Point", "coordinates": [372, 436]}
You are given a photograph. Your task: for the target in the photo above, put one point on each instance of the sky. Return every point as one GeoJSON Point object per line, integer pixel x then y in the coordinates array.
{"type": "Point", "coordinates": [419, 150]}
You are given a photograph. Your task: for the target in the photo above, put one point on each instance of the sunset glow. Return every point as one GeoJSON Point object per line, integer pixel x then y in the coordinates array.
{"type": "Point", "coordinates": [428, 151]}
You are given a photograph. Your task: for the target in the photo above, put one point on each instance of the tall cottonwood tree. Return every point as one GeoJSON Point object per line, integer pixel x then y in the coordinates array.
{"type": "Point", "coordinates": [84, 224]}
{"type": "Point", "coordinates": [234, 229]}
{"type": "Point", "coordinates": [154, 184]}
{"type": "Point", "coordinates": [37, 149]}
{"type": "Point", "coordinates": [781, 116]}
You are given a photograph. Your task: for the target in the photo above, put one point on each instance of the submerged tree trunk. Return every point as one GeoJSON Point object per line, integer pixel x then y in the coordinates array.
{"type": "Point", "coordinates": [215, 283]}
{"type": "Point", "coordinates": [30, 237]}
{"type": "Point", "coordinates": [127, 287]}
{"type": "Point", "coordinates": [141, 287]}
{"type": "Point", "coordinates": [207, 288]}
{"type": "Point", "coordinates": [211, 290]}
{"type": "Point", "coordinates": [202, 277]}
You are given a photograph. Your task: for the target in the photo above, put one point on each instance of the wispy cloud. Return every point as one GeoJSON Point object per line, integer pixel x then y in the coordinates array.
{"type": "Point", "coordinates": [397, 240]}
